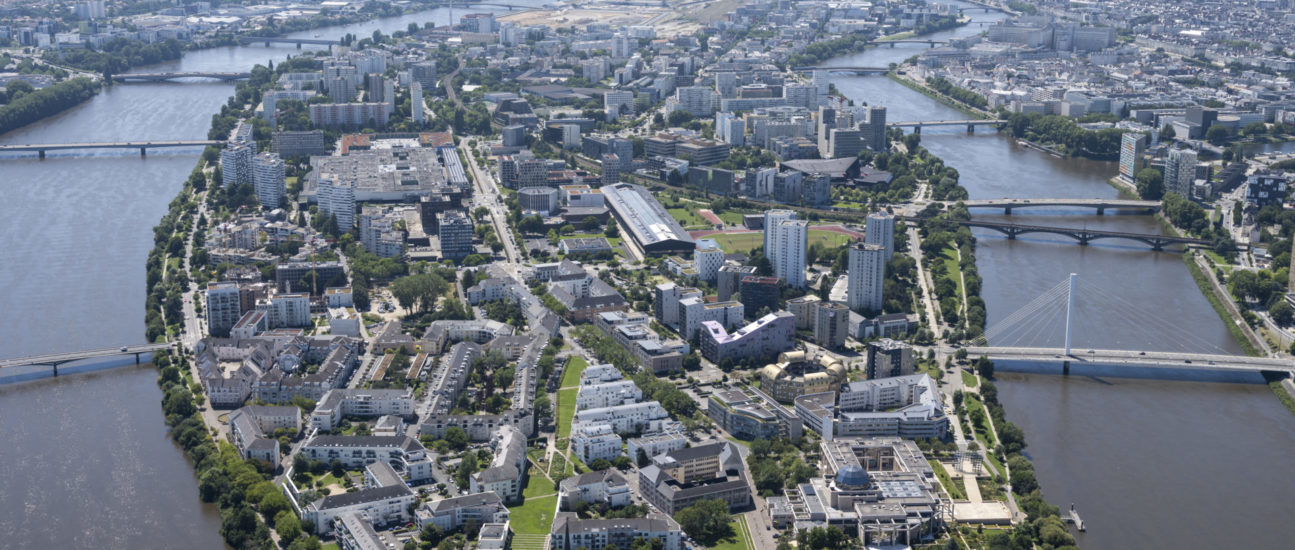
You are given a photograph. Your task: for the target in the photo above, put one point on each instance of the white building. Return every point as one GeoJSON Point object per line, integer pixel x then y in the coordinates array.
{"type": "Point", "coordinates": [608, 394]}
{"type": "Point", "coordinates": [337, 197]}
{"type": "Point", "coordinates": [604, 486]}
{"type": "Point", "coordinates": [416, 104]}
{"type": "Point", "coordinates": [452, 513]}
{"type": "Point", "coordinates": [867, 273]}
{"type": "Point", "coordinates": [591, 442]}
{"type": "Point", "coordinates": [790, 243]}
{"type": "Point", "coordinates": [344, 321]}
{"type": "Point", "coordinates": [268, 179]}
{"type": "Point", "coordinates": [708, 258]}
{"type": "Point", "coordinates": [617, 103]}
{"type": "Point", "coordinates": [1180, 172]}
{"type": "Point", "coordinates": [656, 444]}
{"type": "Point", "coordinates": [385, 499]}
{"type": "Point", "coordinates": [881, 231]}
{"type": "Point", "coordinates": [507, 471]}
{"type": "Point", "coordinates": [694, 311]}
{"type": "Point", "coordinates": [697, 100]}
{"type": "Point", "coordinates": [600, 374]}
{"type": "Point", "coordinates": [287, 310]}
{"type": "Point", "coordinates": [635, 417]}
{"type": "Point", "coordinates": [341, 402]}
{"type": "Point", "coordinates": [361, 450]}
{"type": "Point", "coordinates": [223, 307]}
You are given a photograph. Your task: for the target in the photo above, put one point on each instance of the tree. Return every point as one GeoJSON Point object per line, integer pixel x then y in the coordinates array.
{"type": "Point", "coordinates": [1150, 184]}
{"type": "Point", "coordinates": [1217, 134]}
{"type": "Point", "coordinates": [1282, 313]}
{"type": "Point", "coordinates": [985, 367]}
{"type": "Point", "coordinates": [457, 438]}
{"type": "Point", "coordinates": [707, 521]}
{"type": "Point", "coordinates": [1167, 132]}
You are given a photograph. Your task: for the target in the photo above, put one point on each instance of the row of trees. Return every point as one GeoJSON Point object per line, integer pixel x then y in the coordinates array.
{"type": "Point", "coordinates": [963, 95]}
{"type": "Point", "coordinates": [1065, 133]}
{"type": "Point", "coordinates": [117, 55]}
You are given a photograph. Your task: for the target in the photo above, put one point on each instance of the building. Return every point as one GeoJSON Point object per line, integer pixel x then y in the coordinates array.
{"type": "Point", "coordinates": [610, 164]}
{"type": "Point", "coordinates": [224, 308]}
{"type": "Point", "coordinates": [350, 115]}
{"type": "Point", "coordinates": [298, 143]}
{"type": "Point", "coordinates": [455, 231]}
{"type": "Point", "coordinates": [384, 499]}
{"type": "Point", "coordinates": [1133, 146]}
{"type": "Point", "coordinates": [356, 451]}
{"type": "Point", "coordinates": [773, 333]}
{"type": "Point", "coordinates": [1266, 188]}
{"type": "Point", "coordinates": [416, 103]}
{"type": "Point", "coordinates": [696, 100]}
{"type": "Point", "coordinates": [618, 103]}
{"type": "Point", "coordinates": [888, 358]}
{"type": "Point", "coordinates": [336, 197]}
{"type": "Point", "coordinates": [786, 240]}
{"type": "Point", "coordinates": [831, 324]}
{"type": "Point", "coordinates": [453, 513]}
{"type": "Point", "coordinates": [268, 180]}
{"type": "Point", "coordinates": [236, 164]}
{"type": "Point", "coordinates": [1180, 172]}
{"type": "Point", "coordinates": [729, 277]}
{"type": "Point", "coordinates": [867, 274]}
{"type": "Point", "coordinates": [880, 230]}
{"type": "Point", "coordinates": [538, 200]}
{"type": "Point", "coordinates": [795, 374]}
{"type": "Point", "coordinates": [286, 310]}
{"type": "Point", "coordinates": [666, 300]}
{"type": "Point", "coordinates": [652, 231]}
{"type": "Point", "coordinates": [654, 444]}
{"type": "Point", "coordinates": [749, 417]}
{"type": "Point", "coordinates": [251, 430]}
{"type": "Point", "coordinates": [569, 532]}
{"type": "Point", "coordinates": [506, 474]}
{"type": "Point", "coordinates": [708, 258]}
{"type": "Point", "coordinates": [628, 418]}
{"type": "Point", "coordinates": [339, 403]}
{"type": "Point", "coordinates": [694, 311]}
{"type": "Point", "coordinates": [607, 394]}
{"type": "Point", "coordinates": [585, 299]}
{"type": "Point", "coordinates": [591, 442]}
{"type": "Point", "coordinates": [678, 479]}
{"type": "Point", "coordinates": [601, 487]}
{"type": "Point", "coordinates": [880, 490]}
{"type": "Point", "coordinates": [633, 333]}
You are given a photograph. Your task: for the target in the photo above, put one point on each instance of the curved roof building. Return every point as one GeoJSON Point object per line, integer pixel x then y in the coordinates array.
{"type": "Point", "coordinates": [795, 375]}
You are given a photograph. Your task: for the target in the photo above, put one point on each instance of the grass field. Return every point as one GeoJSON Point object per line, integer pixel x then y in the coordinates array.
{"type": "Point", "coordinates": [571, 375]}
{"type": "Point", "coordinates": [955, 272]}
{"type": "Point", "coordinates": [739, 540]}
{"type": "Point", "coordinates": [535, 517]}
{"type": "Point", "coordinates": [731, 218]}
{"type": "Point", "coordinates": [537, 485]}
{"type": "Point", "coordinates": [566, 411]}
{"type": "Point", "coordinates": [970, 380]}
{"type": "Point", "coordinates": [689, 217]}
{"type": "Point", "coordinates": [955, 489]}
{"type": "Point", "coordinates": [745, 242]}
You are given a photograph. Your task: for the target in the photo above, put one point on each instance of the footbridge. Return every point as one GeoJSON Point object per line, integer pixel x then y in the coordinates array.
{"type": "Point", "coordinates": [54, 360]}
{"type": "Point", "coordinates": [1102, 205]}
{"type": "Point", "coordinates": [159, 77]}
{"type": "Point", "coordinates": [267, 40]}
{"type": "Point", "coordinates": [1083, 236]}
{"type": "Point", "coordinates": [971, 125]}
{"type": "Point", "coordinates": [143, 146]}
{"type": "Point", "coordinates": [1014, 337]}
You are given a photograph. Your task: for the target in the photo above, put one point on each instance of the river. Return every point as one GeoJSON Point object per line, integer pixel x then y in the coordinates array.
{"type": "Point", "coordinates": [88, 463]}
{"type": "Point", "coordinates": [1151, 460]}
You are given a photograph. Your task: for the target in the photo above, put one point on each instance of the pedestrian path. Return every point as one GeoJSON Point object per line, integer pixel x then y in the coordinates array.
{"type": "Point", "coordinates": [530, 542]}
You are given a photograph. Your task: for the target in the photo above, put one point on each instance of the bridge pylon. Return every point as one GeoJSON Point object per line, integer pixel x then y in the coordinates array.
{"type": "Point", "coordinates": [1070, 317]}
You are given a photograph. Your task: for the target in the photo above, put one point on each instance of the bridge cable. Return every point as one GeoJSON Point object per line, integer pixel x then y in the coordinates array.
{"type": "Point", "coordinates": [1024, 311]}
{"type": "Point", "coordinates": [1154, 328]}
{"type": "Point", "coordinates": [1039, 324]}
{"type": "Point", "coordinates": [1029, 320]}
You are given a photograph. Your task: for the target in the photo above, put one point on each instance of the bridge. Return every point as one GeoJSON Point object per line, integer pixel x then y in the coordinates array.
{"type": "Point", "coordinates": [159, 77]}
{"type": "Point", "coordinates": [854, 70]}
{"type": "Point", "coordinates": [971, 125]}
{"type": "Point", "coordinates": [927, 41]}
{"type": "Point", "coordinates": [41, 148]}
{"type": "Point", "coordinates": [55, 359]}
{"type": "Point", "coordinates": [1028, 324]}
{"type": "Point", "coordinates": [267, 40]}
{"type": "Point", "coordinates": [1084, 236]}
{"type": "Point", "coordinates": [1100, 204]}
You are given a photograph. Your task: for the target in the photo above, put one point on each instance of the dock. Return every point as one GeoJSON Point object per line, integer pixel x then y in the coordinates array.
{"type": "Point", "coordinates": [1073, 518]}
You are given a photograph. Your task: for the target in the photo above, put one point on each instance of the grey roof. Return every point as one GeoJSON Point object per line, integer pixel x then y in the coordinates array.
{"type": "Point", "coordinates": [496, 473]}
{"type": "Point", "coordinates": [648, 221]}
{"type": "Point", "coordinates": [478, 499]}
{"type": "Point", "coordinates": [603, 476]}
{"type": "Point", "coordinates": [365, 495]}
{"type": "Point", "coordinates": [359, 441]}
{"type": "Point", "coordinates": [569, 522]}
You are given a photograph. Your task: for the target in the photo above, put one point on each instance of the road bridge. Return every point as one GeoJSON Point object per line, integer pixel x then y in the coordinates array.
{"type": "Point", "coordinates": [971, 125]}
{"type": "Point", "coordinates": [267, 40]}
{"type": "Point", "coordinates": [1136, 358]}
{"type": "Point", "coordinates": [927, 41]}
{"type": "Point", "coordinates": [41, 148]}
{"type": "Point", "coordinates": [54, 360]}
{"type": "Point", "coordinates": [853, 70]}
{"type": "Point", "coordinates": [159, 77]}
{"type": "Point", "coordinates": [1100, 204]}
{"type": "Point", "coordinates": [1084, 236]}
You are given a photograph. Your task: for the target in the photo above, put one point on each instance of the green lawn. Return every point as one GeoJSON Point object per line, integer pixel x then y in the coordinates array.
{"type": "Point", "coordinates": [330, 546]}
{"type": "Point", "coordinates": [731, 218]}
{"type": "Point", "coordinates": [537, 485]}
{"type": "Point", "coordinates": [986, 439]}
{"type": "Point", "coordinates": [534, 517]}
{"type": "Point", "coordinates": [955, 489]}
{"type": "Point", "coordinates": [970, 380]}
{"type": "Point", "coordinates": [745, 242]}
{"type": "Point", "coordinates": [571, 376]}
{"type": "Point", "coordinates": [566, 411]}
{"type": "Point", "coordinates": [955, 272]}
{"type": "Point", "coordinates": [689, 217]}
{"type": "Point", "coordinates": [740, 540]}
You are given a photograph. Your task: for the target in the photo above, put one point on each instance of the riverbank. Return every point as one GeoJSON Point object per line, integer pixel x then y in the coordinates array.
{"type": "Point", "coordinates": [931, 93]}
{"type": "Point", "coordinates": [46, 102]}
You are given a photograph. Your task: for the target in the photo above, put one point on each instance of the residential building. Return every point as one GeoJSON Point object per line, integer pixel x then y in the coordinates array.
{"type": "Point", "coordinates": [268, 180]}
{"type": "Point", "coordinates": [343, 402]}
{"type": "Point", "coordinates": [592, 441]}
{"type": "Point", "coordinates": [361, 450]}
{"type": "Point", "coordinates": [1266, 188]}
{"type": "Point", "coordinates": [773, 333]}
{"type": "Point", "coordinates": [236, 164]}
{"type": "Point", "coordinates": [453, 513]}
{"type": "Point", "coordinates": [785, 241]}
{"type": "Point", "coordinates": [223, 307]}
{"type": "Point", "coordinates": [337, 198]}
{"type": "Point", "coordinates": [887, 358]}
{"type": "Point", "coordinates": [1180, 172]}
{"type": "Point", "coordinates": [416, 103]}
{"type": "Point", "coordinates": [654, 444]}
{"type": "Point", "coordinates": [831, 324]}
{"type": "Point", "coordinates": [569, 532]}
{"type": "Point", "coordinates": [880, 230]}
{"type": "Point", "coordinates": [1133, 146]}
{"type": "Point", "coordinates": [867, 274]}
{"type": "Point", "coordinates": [695, 311]}
{"type": "Point", "coordinates": [601, 487]}
{"type": "Point", "coordinates": [708, 258]}
{"type": "Point", "coordinates": [629, 418]}
{"type": "Point", "coordinates": [384, 499]}
{"type": "Point", "coordinates": [759, 293]}
{"type": "Point", "coordinates": [608, 394]}
{"type": "Point", "coordinates": [455, 231]}
{"type": "Point", "coordinates": [251, 430]}
{"type": "Point", "coordinates": [506, 474]}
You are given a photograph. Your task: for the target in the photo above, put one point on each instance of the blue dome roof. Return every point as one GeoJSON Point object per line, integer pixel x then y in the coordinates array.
{"type": "Point", "coordinates": [852, 476]}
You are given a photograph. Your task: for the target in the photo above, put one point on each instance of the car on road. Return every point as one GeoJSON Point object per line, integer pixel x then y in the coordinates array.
{"type": "Point", "coordinates": [1188, 361]}
{"type": "Point", "coordinates": [123, 348]}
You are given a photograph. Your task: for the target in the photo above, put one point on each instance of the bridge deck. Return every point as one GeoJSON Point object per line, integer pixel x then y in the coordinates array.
{"type": "Point", "coordinates": [60, 358]}
{"type": "Point", "coordinates": [1161, 359]}
{"type": "Point", "coordinates": [1023, 203]}
{"type": "Point", "coordinates": [108, 145]}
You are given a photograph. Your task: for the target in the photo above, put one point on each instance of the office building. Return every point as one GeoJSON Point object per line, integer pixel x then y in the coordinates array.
{"type": "Point", "coordinates": [268, 180]}
{"type": "Point", "coordinates": [867, 273]}
{"type": "Point", "coordinates": [538, 200]}
{"type": "Point", "coordinates": [678, 479]}
{"type": "Point", "coordinates": [618, 103]}
{"type": "Point", "coordinates": [610, 164]}
{"type": "Point", "coordinates": [748, 417]}
{"type": "Point", "coordinates": [902, 406]}
{"type": "Point", "coordinates": [795, 374]}
{"type": "Point", "coordinates": [455, 231]}
{"type": "Point", "coordinates": [1180, 172]}
{"type": "Point", "coordinates": [887, 358]}
{"type": "Point", "coordinates": [694, 311]}
{"type": "Point", "coordinates": [424, 73]}
{"type": "Point", "coordinates": [880, 230]}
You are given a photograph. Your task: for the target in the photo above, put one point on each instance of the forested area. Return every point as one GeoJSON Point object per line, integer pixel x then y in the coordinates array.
{"type": "Point", "coordinates": [117, 55]}
{"type": "Point", "coordinates": [28, 105]}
